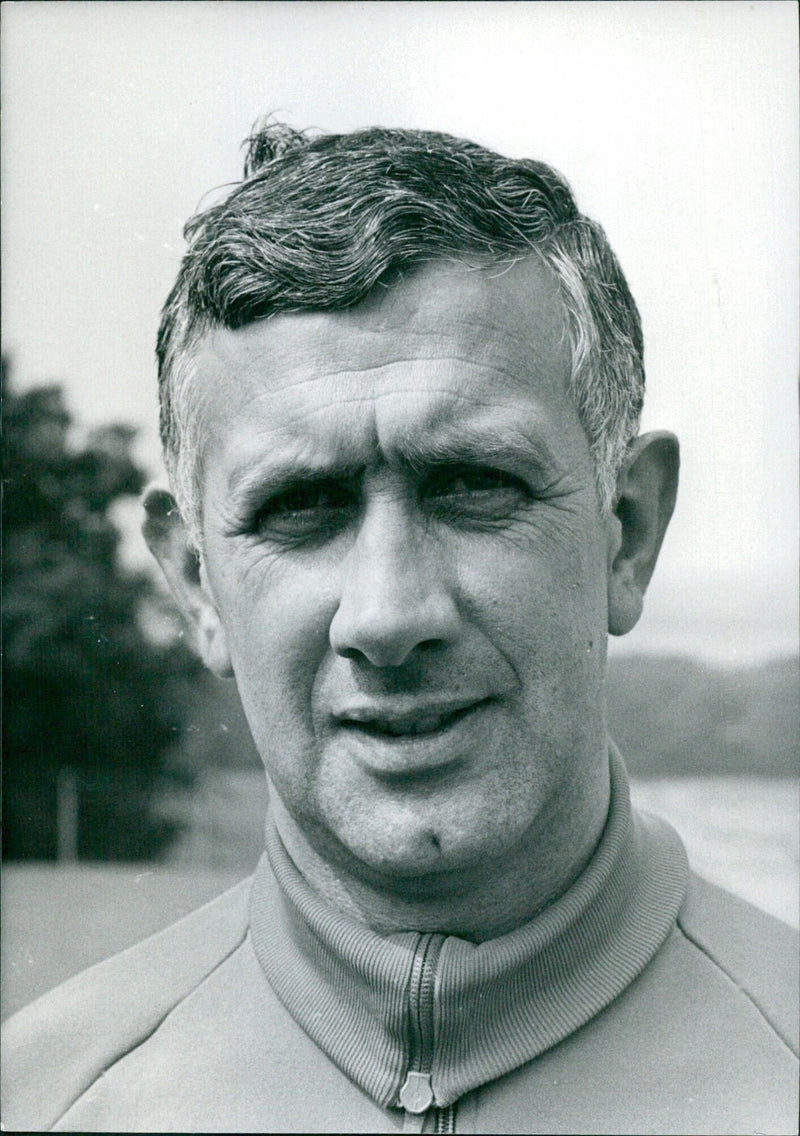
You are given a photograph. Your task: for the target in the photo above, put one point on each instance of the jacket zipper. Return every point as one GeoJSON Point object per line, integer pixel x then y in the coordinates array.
{"type": "Point", "coordinates": [446, 1119]}
{"type": "Point", "coordinates": [416, 1095]}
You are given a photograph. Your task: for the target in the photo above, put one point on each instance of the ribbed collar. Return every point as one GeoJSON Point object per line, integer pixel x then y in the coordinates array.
{"type": "Point", "coordinates": [497, 1004]}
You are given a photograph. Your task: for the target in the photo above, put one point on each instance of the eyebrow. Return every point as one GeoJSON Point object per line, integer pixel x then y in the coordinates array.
{"type": "Point", "coordinates": [419, 450]}
{"type": "Point", "coordinates": [471, 444]}
{"type": "Point", "coordinates": [269, 478]}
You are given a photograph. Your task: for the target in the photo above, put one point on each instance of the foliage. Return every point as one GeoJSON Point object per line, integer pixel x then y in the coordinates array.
{"type": "Point", "coordinates": [85, 691]}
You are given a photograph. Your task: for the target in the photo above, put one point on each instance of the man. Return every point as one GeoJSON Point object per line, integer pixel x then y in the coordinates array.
{"type": "Point", "coordinates": [401, 379]}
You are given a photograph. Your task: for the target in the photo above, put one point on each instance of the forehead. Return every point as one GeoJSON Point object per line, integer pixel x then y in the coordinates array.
{"type": "Point", "coordinates": [446, 348]}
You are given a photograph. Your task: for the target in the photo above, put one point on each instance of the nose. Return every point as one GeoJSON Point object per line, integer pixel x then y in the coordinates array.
{"type": "Point", "coordinates": [395, 597]}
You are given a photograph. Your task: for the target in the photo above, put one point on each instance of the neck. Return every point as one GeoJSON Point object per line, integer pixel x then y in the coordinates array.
{"type": "Point", "coordinates": [471, 902]}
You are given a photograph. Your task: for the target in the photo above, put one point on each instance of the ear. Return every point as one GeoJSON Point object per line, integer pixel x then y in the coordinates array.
{"type": "Point", "coordinates": [168, 539]}
{"type": "Point", "coordinates": [646, 491]}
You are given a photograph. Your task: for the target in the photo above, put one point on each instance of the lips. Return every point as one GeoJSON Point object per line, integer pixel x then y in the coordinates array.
{"type": "Point", "coordinates": [413, 722]}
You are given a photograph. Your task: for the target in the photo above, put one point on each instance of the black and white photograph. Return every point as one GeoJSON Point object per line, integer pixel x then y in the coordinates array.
{"type": "Point", "coordinates": [401, 530]}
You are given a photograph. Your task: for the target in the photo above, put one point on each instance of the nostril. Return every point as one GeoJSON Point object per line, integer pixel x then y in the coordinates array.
{"type": "Point", "coordinates": [431, 644]}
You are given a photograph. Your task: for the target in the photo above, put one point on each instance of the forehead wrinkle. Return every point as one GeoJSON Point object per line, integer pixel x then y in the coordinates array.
{"type": "Point", "coordinates": [521, 347]}
{"type": "Point", "coordinates": [504, 366]}
{"type": "Point", "coordinates": [292, 454]}
{"type": "Point", "coordinates": [448, 365]}
{"type": "Point", "coordinates": [339, 346]}
{"type": "Point", "coordinates": [362, 430]}
{"type": "Point", "coordinates": [482, 339]}
{"type": "Point", "coordinates": [450, 427]}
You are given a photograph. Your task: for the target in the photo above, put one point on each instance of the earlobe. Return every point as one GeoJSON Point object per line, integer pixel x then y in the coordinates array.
{"type": "Point", "coordinates": [646, 491]}
{"type": "Point", "coordinates": [212, 640]}
{"type": "Point", "coordinates": [168, 539]}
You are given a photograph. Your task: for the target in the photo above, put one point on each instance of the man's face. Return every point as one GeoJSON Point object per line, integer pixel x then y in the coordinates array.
{"type": "Point", "coordinates": [403, 543]}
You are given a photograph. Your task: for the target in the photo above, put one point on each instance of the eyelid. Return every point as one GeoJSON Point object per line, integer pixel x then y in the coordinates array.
{"type": "Point", "coordinates": [263, 495]}
{"type": "Point", "coordinates": [503, 478]}
{"type": "Point", "coordinates": [297, 509]}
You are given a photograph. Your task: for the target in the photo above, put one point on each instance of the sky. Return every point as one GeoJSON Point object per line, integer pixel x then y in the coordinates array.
{"type": "Point", "coordinates": [676, 124]}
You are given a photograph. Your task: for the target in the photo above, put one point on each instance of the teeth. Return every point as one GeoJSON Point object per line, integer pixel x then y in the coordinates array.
{"type": "Point", "coordinates": [408, 724]}
{"type": "Point", "coordinates": [421, 725]}
{"type": "Point", "coordinates": [418, 726]}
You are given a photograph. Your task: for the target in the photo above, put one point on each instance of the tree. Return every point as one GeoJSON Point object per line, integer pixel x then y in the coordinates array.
{"type": "Point", "coordinates": [89, 718]}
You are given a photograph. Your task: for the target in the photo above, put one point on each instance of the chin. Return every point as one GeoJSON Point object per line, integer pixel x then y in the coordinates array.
{"type": "Point", "coordinates": [422, 853]}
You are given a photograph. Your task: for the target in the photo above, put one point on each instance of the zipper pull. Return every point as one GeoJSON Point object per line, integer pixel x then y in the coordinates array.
{"type": "Point", "coordinates": [416, 1094]}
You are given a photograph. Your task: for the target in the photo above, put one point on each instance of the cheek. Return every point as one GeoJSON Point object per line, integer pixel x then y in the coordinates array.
{"type": "Point", "coordinates": [539, 598]}
{"type": "Point", "coordinates": [544, 611]}
{"type": "Point", "coordinates": [277, 623]}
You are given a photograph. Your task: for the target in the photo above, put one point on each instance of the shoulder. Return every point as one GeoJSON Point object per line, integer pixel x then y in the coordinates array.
{"type": "Point", "coordinates": [56, 1047]}
{"type": "Point", "coordinates": [760, 955]}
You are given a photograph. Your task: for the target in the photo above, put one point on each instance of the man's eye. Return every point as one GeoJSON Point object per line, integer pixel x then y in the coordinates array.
{"type": "Point", "coordinates": [476, 491]}
{"type": "Point", "coordinates": [306, 510]}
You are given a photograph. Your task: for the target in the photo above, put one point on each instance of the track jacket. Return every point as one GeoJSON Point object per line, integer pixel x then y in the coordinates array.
{"type": "Point", "coordinates": [643, 1000]}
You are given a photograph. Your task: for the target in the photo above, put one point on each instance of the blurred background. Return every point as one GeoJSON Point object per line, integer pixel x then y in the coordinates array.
{"type": "Point", "coordinates": [131, 788]}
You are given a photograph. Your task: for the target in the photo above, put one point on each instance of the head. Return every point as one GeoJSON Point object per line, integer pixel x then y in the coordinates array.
{"type": "Point", "coordinates": [318, 223]}
{"type": "Point", "coordinates": [401, 379]}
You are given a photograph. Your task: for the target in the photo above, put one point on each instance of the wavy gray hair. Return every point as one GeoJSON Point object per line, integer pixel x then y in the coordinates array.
{"type": "Point", "coordinates": [317, 222]}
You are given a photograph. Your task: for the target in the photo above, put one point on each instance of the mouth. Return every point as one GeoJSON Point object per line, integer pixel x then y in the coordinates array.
{"type": "Point", "coordinates": [416, 722]}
